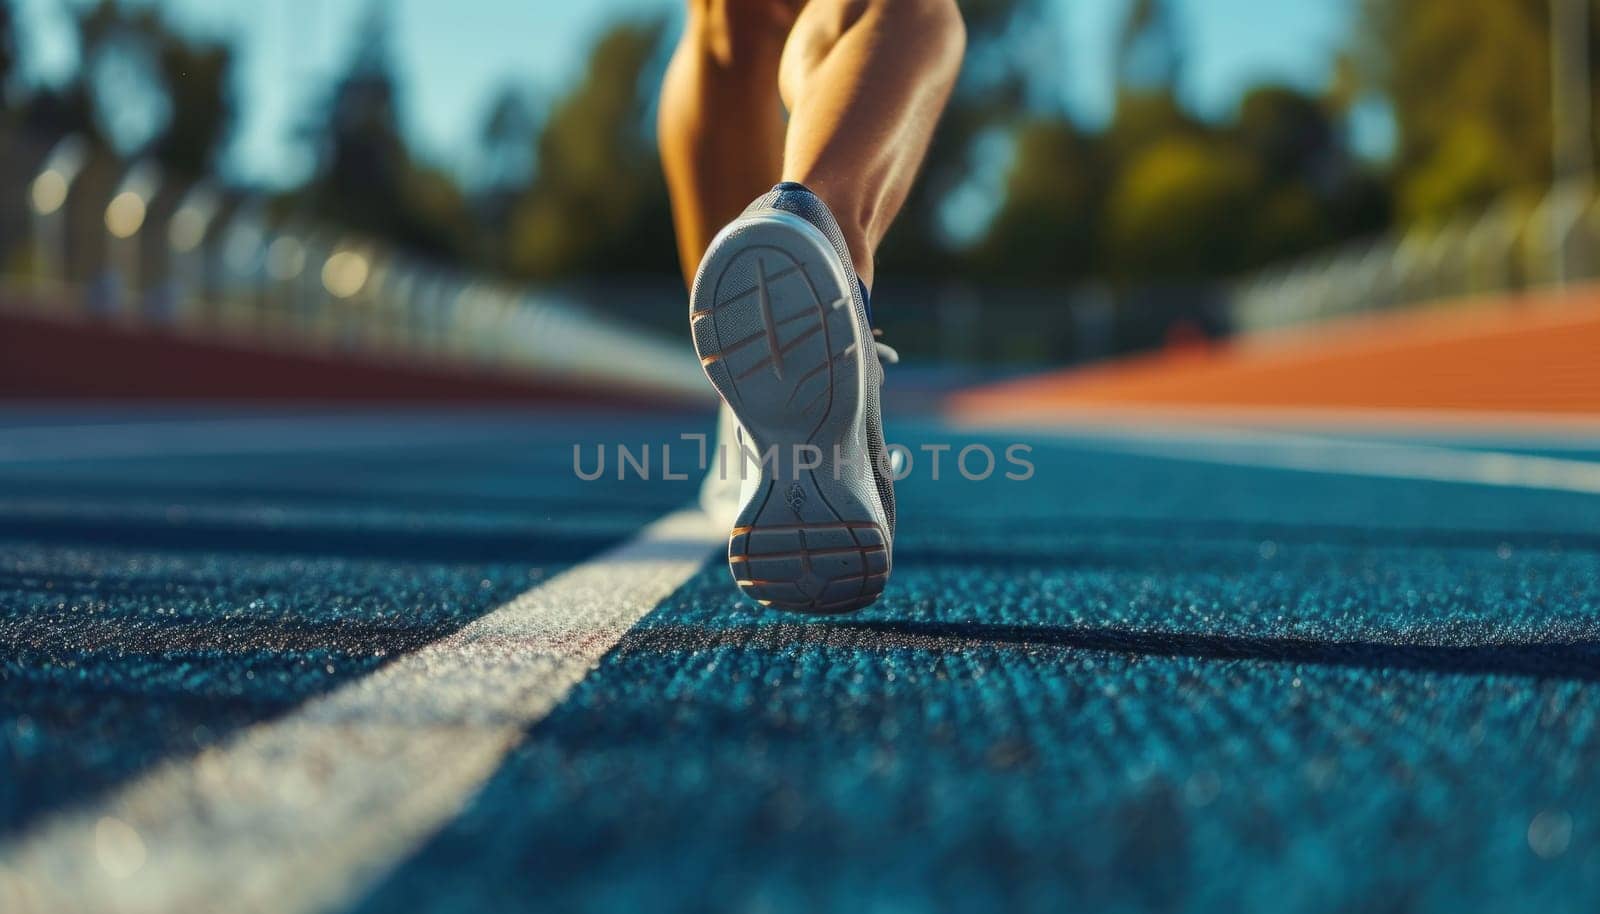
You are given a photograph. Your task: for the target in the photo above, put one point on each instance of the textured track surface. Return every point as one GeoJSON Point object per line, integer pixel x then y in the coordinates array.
{"type": "Point", "coordinates": [152, 604]}
{"type": "Point", "coordinates": [1132, 683]}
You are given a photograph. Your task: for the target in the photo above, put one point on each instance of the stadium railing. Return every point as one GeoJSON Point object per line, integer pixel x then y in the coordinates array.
{"type": "Point", "coordinates": [147, 251]}
{"type": "Point", "coordinates": [1523, 241]}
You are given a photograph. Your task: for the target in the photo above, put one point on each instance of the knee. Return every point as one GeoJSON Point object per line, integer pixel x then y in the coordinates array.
{"type": "Point", "coordinates": [741, 33]}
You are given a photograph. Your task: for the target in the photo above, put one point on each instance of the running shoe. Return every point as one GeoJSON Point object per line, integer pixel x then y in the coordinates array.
{"type": "Point", "coordinates": [780, 322]}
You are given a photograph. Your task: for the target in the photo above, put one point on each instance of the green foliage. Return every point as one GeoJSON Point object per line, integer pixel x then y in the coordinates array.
{"type": "Point", "coordinates": [1180, 209]}
{"type": "Point", "coordinates": [1054, 196]}
{"type": "Point", "coordinates": [1288, 132]}
{"type": "Point", "coordinates": [598, 201]}
{"type": "Point", "coordinates": [1161, 195]}
{"type": "Point", "coordinates": [366, 178]}
{"type": "Point", "coordinates": [1313, 191]}
{"type": "Point", "coordinates": [1469, 81]}
{"type": "Point", "coordinates": [1144, 118]}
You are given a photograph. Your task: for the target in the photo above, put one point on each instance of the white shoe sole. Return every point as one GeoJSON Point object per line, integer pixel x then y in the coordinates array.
{"type": "Point", "coordinates": [787, 358]}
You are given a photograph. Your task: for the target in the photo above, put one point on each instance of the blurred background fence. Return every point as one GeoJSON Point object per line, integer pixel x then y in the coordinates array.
{"type": "Point", "coordinates": [120, 244]}
{"type": "Point", "coordinates": [1523, 242]}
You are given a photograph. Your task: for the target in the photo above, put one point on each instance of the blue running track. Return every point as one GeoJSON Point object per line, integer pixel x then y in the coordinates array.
{"type": "Point", "coordinates": [1139, 681]}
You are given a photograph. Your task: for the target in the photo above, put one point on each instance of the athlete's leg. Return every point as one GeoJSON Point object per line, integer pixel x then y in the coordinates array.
{"type": "Point", "coordinates": [721, 122]}
{"type": "Point", "coordinates": [778, 319]}
{"type": "Point", "coordinates": [864, 82]}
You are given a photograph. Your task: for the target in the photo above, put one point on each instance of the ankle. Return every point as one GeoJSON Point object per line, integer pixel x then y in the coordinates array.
{"type": "Point", "coordinates": [851, 221]}
{"type": "Point", "coordinates": [856, 239]}
{"type": "Point", "coordinates": [863, 264]}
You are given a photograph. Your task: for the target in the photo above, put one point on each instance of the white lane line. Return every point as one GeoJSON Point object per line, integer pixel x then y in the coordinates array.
{"type": "Point", "coordinates": [303, 813]}
{"type": "Point", "coordinates": [1311, 453]}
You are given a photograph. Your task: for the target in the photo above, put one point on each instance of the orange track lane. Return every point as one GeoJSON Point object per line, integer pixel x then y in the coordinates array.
{"type": "Point", "coordinates": [1534, 357]}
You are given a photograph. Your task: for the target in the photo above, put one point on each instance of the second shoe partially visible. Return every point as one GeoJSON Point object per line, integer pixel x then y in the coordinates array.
{"type": "Point", "coordinates": [780, 323]}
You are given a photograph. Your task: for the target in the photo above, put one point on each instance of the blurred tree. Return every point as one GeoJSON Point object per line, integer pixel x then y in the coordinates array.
{"type": "Point", "coordinates": [51, 113]}
{"type": "Point", "coordinates": [366, 177]}
{"type": "Point", "coordinates": [1149, 65]}
{"type": "Point", "coordinates": [1149, 54]}
{"type": "Point", "coordinates": [509, 140]}
{"type": "Point", "coordinates": [1469, 81]}
{"type": "Point", "coordinates": [1313, 189]}
{"type": "Point", "coordinates": [1180, 209]}
{"type": "Point", "coordinates": [8, 52]}
{"type": "Point", "coordinates": [1004, 83]}
{"type": "Point", "coordinates": [1054, 222]}
{"type": "Point", "coordinates": [155, 91]}
{"type": "Point", "coordinates": [1162, 195]}
{"type": "Point", "coordinates": [118, 52]}
{"type": "Point", "coordinates": [198, 80]}
{"type": "Point", "coordinates": [598, 202]}
{"type": "Point", "coordinates": [510, 135]}
{"type": "Point", "coordinates": [1291, 134]}
{"type": "Point", "coordinates": [1283, 181]}
{"type": "Point", "coordinates": [1145, 117]}
{"type": "Point", "coordinates": [1048, 228]}
{"type": "Point", "coordinates": [1177, 191]}
{"type": "Point", "coordinates": [46, 112]}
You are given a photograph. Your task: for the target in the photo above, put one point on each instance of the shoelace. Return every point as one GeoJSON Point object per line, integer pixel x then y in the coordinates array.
{"type": "Point", "coordinates": [885, 352]}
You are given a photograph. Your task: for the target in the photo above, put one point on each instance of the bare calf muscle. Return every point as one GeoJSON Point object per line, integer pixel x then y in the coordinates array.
{"type": "Point", "coordinates": [863, 81]}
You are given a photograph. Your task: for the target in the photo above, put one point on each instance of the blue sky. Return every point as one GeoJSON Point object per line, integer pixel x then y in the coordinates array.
{"type": "Point", "coordinates": [454, 54]}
